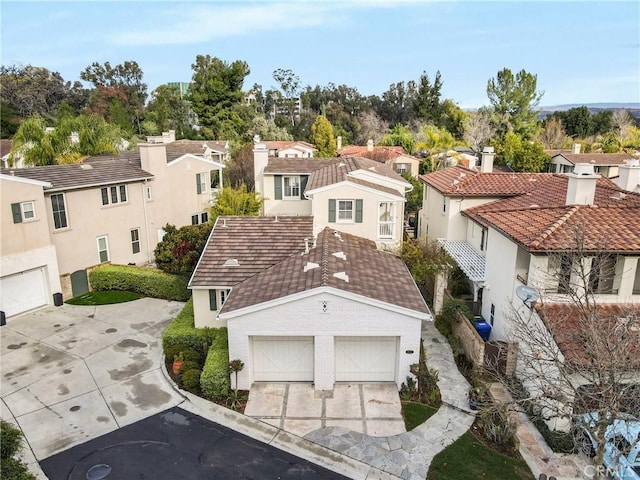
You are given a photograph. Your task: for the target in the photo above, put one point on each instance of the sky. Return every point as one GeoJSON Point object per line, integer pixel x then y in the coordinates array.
{"type": "Point", "coordinates": [581, 52]}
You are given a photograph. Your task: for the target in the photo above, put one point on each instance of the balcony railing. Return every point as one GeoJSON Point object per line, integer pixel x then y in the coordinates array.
{"type": "Point", "coordinates": [385, 230]}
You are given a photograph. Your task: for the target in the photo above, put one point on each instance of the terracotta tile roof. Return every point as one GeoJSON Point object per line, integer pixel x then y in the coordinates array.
{"type": "Point", "coordinates": [339, 171]}
{"type": "Point", "coordinates": [540, 221]}
{"type": "Point", "coordinates": [256, 243]}
{"type": "Point", "coordinates": [370, 272]}
{"type": "Point", "coordinates": [462, 182]}
{"type": "Point", "coordinates": [596, 158]}
{"type": "Point", "coordinates": [98, 171]}
{"type": "Point", "coordinates": [568, 323]}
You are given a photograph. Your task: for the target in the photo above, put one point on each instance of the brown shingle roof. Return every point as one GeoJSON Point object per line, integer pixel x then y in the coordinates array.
{"type": "Point", "coordinates": [596, 158]}
{"type": "Point", "coordinates": [103, 171]}
{"type": "Point", "coordinates": [371, 273]}
{"type": "Point", "coordinates": [339, 172]}
{"type": "Point", "coordinates": [256, 242]}
{"type": "Point", "coordinates": [297, 165]}
{"type": "Point", "coordinates": [573, 329]}
{"type": "Point", "coordinates": [195, 147]}
{"type": "Point", "coordinates": [283, 145]}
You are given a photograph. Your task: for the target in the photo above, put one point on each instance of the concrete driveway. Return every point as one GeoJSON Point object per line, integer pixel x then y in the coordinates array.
{"type": "Point", "coordinates": [73, 373]}
{"type": "Point", "coordinates": [370, 408]}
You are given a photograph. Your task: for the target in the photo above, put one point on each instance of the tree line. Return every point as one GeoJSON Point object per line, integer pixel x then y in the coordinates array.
{"type": "Point", "coordinates": [411, 114]}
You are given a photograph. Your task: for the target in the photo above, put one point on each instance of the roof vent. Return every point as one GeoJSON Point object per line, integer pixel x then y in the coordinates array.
{"type": "Point", "coordinates": [340, 255]}
{"type": "Point", "coordinates": [232, 262]}
{"type": "Point", "coordinates": [224, 222]}
{"type": "Point", "coordinates": [337, 235]}
{"type": "Point", "coordinates": [342, 276]}
{"type": "Point", "coordinates": [342, 164]}
{"type": "Point", "coordinates": [86, 166]}
{"type": "Point", "coordinates": [310, 266]}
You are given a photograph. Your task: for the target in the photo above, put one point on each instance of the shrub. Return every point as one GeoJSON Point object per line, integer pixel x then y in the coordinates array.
{"type": "Point", "coordinates": [451, 308]}
{"type": "Point", "coordinates": [148, 282]}
{"type": "Point", "coordinates": [180, 248]}
{"type": "Point", "coordinates": [191, 380]}
{"type": "Point", "coordinates": [182, 336]}
{"type": "Point", "coordinates": [214, 380]}
{"type": "Point", "coordinates": [10, 445]}
{"type": "Point", "coordinates": [495, 424]}
{"type": "Point", "coordinates": [190, 365]}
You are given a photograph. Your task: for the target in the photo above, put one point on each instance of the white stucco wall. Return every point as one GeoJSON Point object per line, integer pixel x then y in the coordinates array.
{"type": "Point", "coordinates": [304, 317]}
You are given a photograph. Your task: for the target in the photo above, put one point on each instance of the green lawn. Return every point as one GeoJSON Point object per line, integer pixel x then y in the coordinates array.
{"type": "Point", "coordinates": [416, 414]}
{"type": "Point", "coordinates": [103, 298]}
{"type": "Point", "coordinates": [469, 458]}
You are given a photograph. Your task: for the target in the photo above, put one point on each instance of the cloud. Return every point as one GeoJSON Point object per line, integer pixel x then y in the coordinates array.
{"type": "Point", "coordinates": [200, 23]}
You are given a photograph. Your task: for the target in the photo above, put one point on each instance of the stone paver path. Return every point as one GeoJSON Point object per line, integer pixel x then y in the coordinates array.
{"type": "Point", "coordinates": [409, 454]}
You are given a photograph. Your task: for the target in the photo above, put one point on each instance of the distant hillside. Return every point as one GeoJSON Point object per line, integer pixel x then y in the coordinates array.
{"type": "Point", "coordinates": [595, 106]}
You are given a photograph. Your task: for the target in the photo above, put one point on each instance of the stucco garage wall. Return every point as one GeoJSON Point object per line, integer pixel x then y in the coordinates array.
{"type": "Point", "coordinates": [305, 317]}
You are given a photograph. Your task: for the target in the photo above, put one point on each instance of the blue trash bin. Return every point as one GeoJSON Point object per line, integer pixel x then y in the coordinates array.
{"type": "Point", "coordinates": [484, 329]}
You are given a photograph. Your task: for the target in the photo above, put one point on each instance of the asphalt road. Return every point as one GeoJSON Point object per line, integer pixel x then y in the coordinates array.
{"type": "Point", "coordinates": [176, 444]}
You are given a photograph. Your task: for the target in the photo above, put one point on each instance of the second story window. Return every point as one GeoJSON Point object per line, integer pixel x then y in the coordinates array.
{"type": "Point", "coordinates": [201, 183]}
{"type": "Point", "coordinates": [23, 212]}
{"type": "Point", "coordinates": [114, 194]}
{"type": "Point", "coordinates": [345, 210]}
{"type": "Point", "coordinates": [291, 187]}
{"type": "Point", "coordinates": [59, 211]}
{"type": "Point", "coordinates": [402, 168]}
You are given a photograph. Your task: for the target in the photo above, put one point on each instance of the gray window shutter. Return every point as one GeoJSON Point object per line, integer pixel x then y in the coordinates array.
{"type": "Point", "coordinates": [213, 303]}
{"type": "Point", "coordinates": [198, 184]}
{"type": "Point", "coordinates": [332, 210]}
{"type": "Point", "coordinates": [277, 186]}
{"type": "Point", "coordinates": [359, 211]}
{"type": "Point", "coordinates": [303, 184]}
{"type": "Point", "coordinates": [17, 213]}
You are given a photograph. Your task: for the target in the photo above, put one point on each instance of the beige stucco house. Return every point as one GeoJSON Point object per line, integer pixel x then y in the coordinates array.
{"type": "Point", "coordinates": [395, 157]}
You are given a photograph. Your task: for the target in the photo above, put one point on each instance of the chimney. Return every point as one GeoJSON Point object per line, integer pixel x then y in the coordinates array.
{"type": "Point", "coordinates": [576, 148]}
{"type": "Point", "coordinates": [172, 136]}
{"type": "Point", "coordinates": [581, 187]}
{"type": "Point", "coordinates": [369, 145]}
{"type": "Point", "coordinates": [486, 165]}
{"type": "Point", "coordinates": [339, 142]}
{"type": "Point", "coordinates": [629, 175]}
{"type": "Point", "coordinates": [260, 160]}
{"type": "Point", "coordinates": [153, 157]}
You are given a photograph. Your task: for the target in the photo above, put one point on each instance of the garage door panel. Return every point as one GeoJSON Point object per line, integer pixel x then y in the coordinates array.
{"type": "Point", "coordinates": [284, 359]}
{"type": "Point", "coordinates": [366, 359]}
{"type": "Point", "coordinates": [23, 291]}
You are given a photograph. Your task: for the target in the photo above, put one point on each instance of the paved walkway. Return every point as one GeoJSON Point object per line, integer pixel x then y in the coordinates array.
{"type": "Point", "coordinates": [409, 454]}
{"type": "Point", "coordinates": [371, 408]}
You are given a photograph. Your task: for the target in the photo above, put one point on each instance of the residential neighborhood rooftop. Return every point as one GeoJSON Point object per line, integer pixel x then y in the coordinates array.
{"type": "Point", "coordinates": [338, 260]}
{"type": "Point", "coordinates": [337, 172]}
{"type": "Point", "coordinates": [594, 158]}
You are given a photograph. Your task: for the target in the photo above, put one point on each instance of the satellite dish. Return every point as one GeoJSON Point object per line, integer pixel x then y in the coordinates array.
{"type": "Point", "coordinates": [527, 294]}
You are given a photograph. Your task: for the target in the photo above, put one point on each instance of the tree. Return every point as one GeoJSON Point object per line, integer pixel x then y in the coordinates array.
{"type": "Point", "coordinates": [552, 135]}
{"type": "Point", "coordinates": [414, 197]}
{"type": "Point", "coordinates": [217, 98]}
{"type": "Point", "coordinates": [180, 248]}
{"type": "Point", "coordinates": [239, 170]}
{"type": "Point", "coordinates": [372, 127]}
{"type": "Point", "coordinates": [290, 85]}
{"type": "Point", "coordinates": [401, 136]}
{"type": "Point", "coordinates": [426, 104]}
{"type": "Point", "coordinates": [169, 110]}
{"type": "Point", "coordinates": [126, 78]}
{"type": "Point", "coordinates": [622, 121]}
{"type": "Point", "coordinates": [578, 356]}
{"type": "Point", "coordinates": [514, 100]}
{"type": "Point", "coordinates": [521, 155]}
{"type": "Point", "coordinates": [267, 130]}
{"type": "Point", "coordinates": [322, 137]}
{"type": "Point", "coordinates": [452, 118]}
{"type": "Point", "coordinates": [236, 202]}
{"type": "Point", "coordinates": [38, 147]}
{"type": "Point", "coordinates": [396, 104]}
{"type": "Point", "coordinates": [478, 129]}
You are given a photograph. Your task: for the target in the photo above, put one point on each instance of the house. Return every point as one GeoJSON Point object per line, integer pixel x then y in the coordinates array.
{"type": "Point", "coordinates": [516, 236]}
{"type": "Point", "coordinates": [605, 164]}
{"type": "Point", "coordinates": [284, 149]}
{"type": "Point", "coordinates": [109, 208]}
{"type": "Point", "coordinates": [28, 264]}
{"type": "Point", "coordinates": [361, 196]}
{"type": "Point", "coordinates": [394, 156]}
{"type": "Point", "coordinates": [210, 149]}
{"type": "Point", "coordinates": [299, 307]}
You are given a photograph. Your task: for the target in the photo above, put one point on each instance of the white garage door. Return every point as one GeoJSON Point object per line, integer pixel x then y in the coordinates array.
{"type": "Point", "coordinates": [366, 359]}
{"type": "Point", "coordinates": [23, 291]}
{"type": "Point", "coordinates": [283, 359]}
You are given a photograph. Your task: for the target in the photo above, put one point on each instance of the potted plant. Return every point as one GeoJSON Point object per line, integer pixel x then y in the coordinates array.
{"type": "Point", "coordinates": [178, 360]}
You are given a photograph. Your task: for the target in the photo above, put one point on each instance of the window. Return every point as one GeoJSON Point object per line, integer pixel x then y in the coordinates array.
{"type": "Point", "coordinates": [103, 249]}
{"type": "Point", "coordinates": [444, 206]}
{"type": "Point", "coordinates": [113, 194]}
{"type": "Point", "coordinates": [204, 217]}
{"type": "Point", "coordinates": [198, 218]}
{"type": "Point", "coordinates": [386, 220]}
{"type": "Point", "coordinates": [564, 274]}
{"type": "Point", "coordinates": [215, 178]}
{"type": "Point", "coordinates": [59, 211]}
{"type": "Point", "coordinates": [217, 299]}
{"type": "Point", "coordinates": [493, 314]}
{"type": "Point", "coordinates": [194, 219]}
{"type": "Point", "coordinates": [483, 237]}
{"type": "Point", "coordinates": [148, 193]}
{"type": "Point", "coordinates": [345, 211]}
{"type": "Point", "coordinates": [135, 240]}
{"type": "Point", "coordinates": [201, 183]}
{"type": "Point", "coordinates": [402, 168]}
{"type": "Point", "coordinates": [291, 187]}
{"type": "Point", "coordinates": [23, 212]}
{"type": "Point", "coordinates": [603, 271]}
{"type": "Point", "coordinates": [223, 296]}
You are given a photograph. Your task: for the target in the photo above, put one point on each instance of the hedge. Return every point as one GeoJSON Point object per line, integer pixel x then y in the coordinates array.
{"type": "Point", "coordinates": [181, 336]}
{"type": "Point", "coordinates": [214, 380]}
{"type": "Point", "coordinates": [148, 282]}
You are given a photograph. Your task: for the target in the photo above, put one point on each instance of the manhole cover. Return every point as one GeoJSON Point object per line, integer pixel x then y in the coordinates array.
{"type": "Point", "coordinates": [98, 472]}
